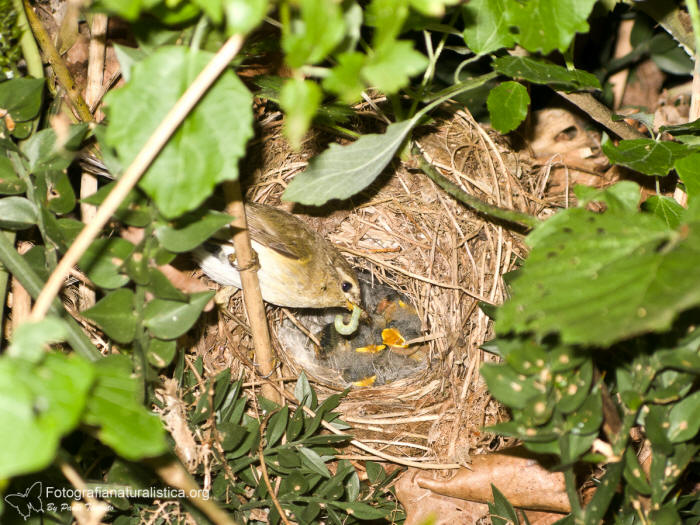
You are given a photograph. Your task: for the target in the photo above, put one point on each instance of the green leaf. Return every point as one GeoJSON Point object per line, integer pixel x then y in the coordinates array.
{"type": "Point", "coordinates": [191, 230]}
{"type": "Point", "coordinates": [114, 314]}
{"type": "Point", "coordinates": [310, 37]}
{"type": "Point", "coordinates": [46, 153]}
{"type": "Point", "coordinates": [688, 169]}
{"type": "Point", "coordinates": [115, 407]}
{"type": "Point", "coordinates": [621, 197]}
{"type": "Point", "coordinates": [134, 209]}
{"type": "Point", "coordinates": [313, 462]}
{"type": "Point", "coordinates": [30, 338]}
{"type": "Point", "coordinates": [300, 100]}
{"type": "Point", "coordinates": [170, 319]}
{"type": "Point", "coordinates": [391, 66]}
{"type": "Point", "coordinates": [102, 262]}
{"type": "Point", "coordinates": [127, 57]}
{"type": "Point", "coordinates": [360, 510]}
{"type": "Point", "coordinates": [625, 274]}
{"type": "Point", "coordinates": [10, 183]}
{"type": "Point", "coordinates": [242, 16]}
{"type": "Point", "coordinates": [508, 105]}
{"type": "Point", "coordinates": [508, 386]}
{"type": "Point", "coordinates": [540, 71]}
{"type": "Point", "coordinates": [161, 287]}
{"type": "Point", "coordinates": [17, 213]}
{"type": "Point", "coordinates": [277, 426]}
{"type": "Point", "coordinates": [646, 156]}
{"type": "Point", "coordinates": [344, 79]}
{"type": "Point", "coordinates": [342, 171]}
{"type": "Point", "coordinates": [501, 511]}
{"type": "Point", "coordinates": [546, 25]}
{"type": "Point", "coordinates": [161, 353]}
{"type": "Point", "coordinates": [40, 404]}
{"type": "Point", "coordinates": [206, 147]}
{"type": "Point", "coordinates": [486, 27]}
{"type": "Point", "coordinates": [684, 419]}
{"type": "Point", "coordinates": [387, 18]}
{"type": "Point", "coordinates": [60, 194]}
{"type": "Point", "coordinates": [304, 393]}
{"type": "Point", "coordinates": [21, 97]}
{"type": "Point", "coordinates": [666, 209]}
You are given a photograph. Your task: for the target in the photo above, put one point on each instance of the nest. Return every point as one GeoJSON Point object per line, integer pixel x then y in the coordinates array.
{"type": "Point", "coordinates": [407, 234]}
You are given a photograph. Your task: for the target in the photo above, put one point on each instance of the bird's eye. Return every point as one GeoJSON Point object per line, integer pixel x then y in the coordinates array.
{"type": "Point", "coordinates": [346, 286]}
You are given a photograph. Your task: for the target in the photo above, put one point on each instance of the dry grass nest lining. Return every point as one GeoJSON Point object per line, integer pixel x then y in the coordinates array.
{"type": "Point", "coordinates": [415, 238]}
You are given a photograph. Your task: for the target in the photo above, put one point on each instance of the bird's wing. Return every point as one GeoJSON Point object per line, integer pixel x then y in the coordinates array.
{"type": "Point", "coordinates": [280, 231]}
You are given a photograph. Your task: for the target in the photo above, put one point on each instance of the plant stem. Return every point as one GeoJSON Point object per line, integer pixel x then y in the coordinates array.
{"type": "Point", "coordinates": [252, 297]}
{"type": "Point", "coordinates": [59, 66]}
{"type": "Point", "coordinates": [522, 219]}
{"type": "Point", "coordinates": [570, 479]}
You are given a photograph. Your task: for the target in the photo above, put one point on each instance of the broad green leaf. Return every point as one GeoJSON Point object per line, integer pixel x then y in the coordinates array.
{"type": "Point", "coordinates": [127, 57]}
{"type": "Point", "coordinates": [310, 37]}
{"type": "Point", "coordinates": [30, 339]}
{"type": "Point", "coordinates": [161, 353]}
{"type": "Point", "coordinates": [276, 426]}
{"type": "Point", "coordinates": [546, 25]}
{"type": "Point", "coordinates": [171, 319]}
{"type": "Point", "coordinates": [206, 147]}
{"type": "Point", "coordinates": [360, 510]}
{"type": "Point", "coordinates": [21, 97]}
{"type": "Point", "coordinates": [508, 386]}
{"type": "Point", "coordinates": [687, 128]}
{"type": "Point", "coordinates": [666, 209]}
{"type": "Point", "coordinates": [391, 66]}
{"type": "Point", "coordinates": [161, 287]}
{"type": "Point", "coordinates": [17, 213]}
{"type": "Point", "coordinates": [688, 169]}
{"type": "Point", "coordinates": [508, 105]}
{"type": "Point", "coordinates": [646, 156]}
{"type": "Point", "coordinates": [40, 404]}
{"type": "Point", "coordinates": [625, 274]}
{"type": "Point", "coordinates": [304, 393]}
{"type": "Point", "coordinates": [242, 16]}
{"type": "Point", "coordinates": [102, 262]}
{"type": "Point", "coordinates": [540, 71]}
{"type": "Point", "coordinates": [191, 230]}
{"type": "Point", "coordinates": [300, 100]}
{"type": "Point", "coordinates": [486, 27]}
{"type": "Point", "coordinates": [115, 408]}
{"type": "Point", "coordinates": [342, 171]}
{"type": "Point", "coordinates": [60, 195]}
{"type": "Point", "coordinates": [46, 153]}
{"type": "Point", "coordinates": [344, 79]}
{"type": "Point", "coordinates": [434, 8]}
{"type": "Point", "coordinates": [114, 314]}
{"type": "Point", "coordinates": [684, 419]}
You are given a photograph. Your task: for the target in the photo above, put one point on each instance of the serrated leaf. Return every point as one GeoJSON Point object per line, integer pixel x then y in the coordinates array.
{"type": "Point", "coordinates": [114, 314]}
{"type": "Point", "coordinates": [540, 71]}
{"type": "Point", "coordinates": [508, 105]}
{"type": "Point", "coordinates": [546, 25]}
{"type": "Point", "coordinates": [391, 66]}
{"type": "Point", "coordinates": [191, 230]}
{"type": "Point", "coordinates": [115, 407]}
{"type": "Point", "coordinates": [486, 27]}
{"type": "Point", "coordinates": [646, 156]}
{"type": "Point", "coordinates": [17, 213]}
{"type": "Point", "coordinates": [206, 147]}
{"type": "Point", "coordinates": [666, 209]}
{"type": "Point", "coordinates": [170, 319]}
{"type": "Point", "coordinates": [688, 169]}
{"type": "Point", "coordinates": [625, 274]}
{"type": "Point", "coordinates": [342, 171]}
{"type": "Point", "coordinates": [300, 100]}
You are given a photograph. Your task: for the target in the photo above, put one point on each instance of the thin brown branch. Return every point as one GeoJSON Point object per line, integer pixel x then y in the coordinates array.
{"type": "Point", "coordinates": [601, 114]}
{"type": "Point", "coordinates": [252, 297]}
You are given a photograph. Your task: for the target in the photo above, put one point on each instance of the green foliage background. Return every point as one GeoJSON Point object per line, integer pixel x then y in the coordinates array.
{"type": "Point", "coordinates": [599, 335]}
